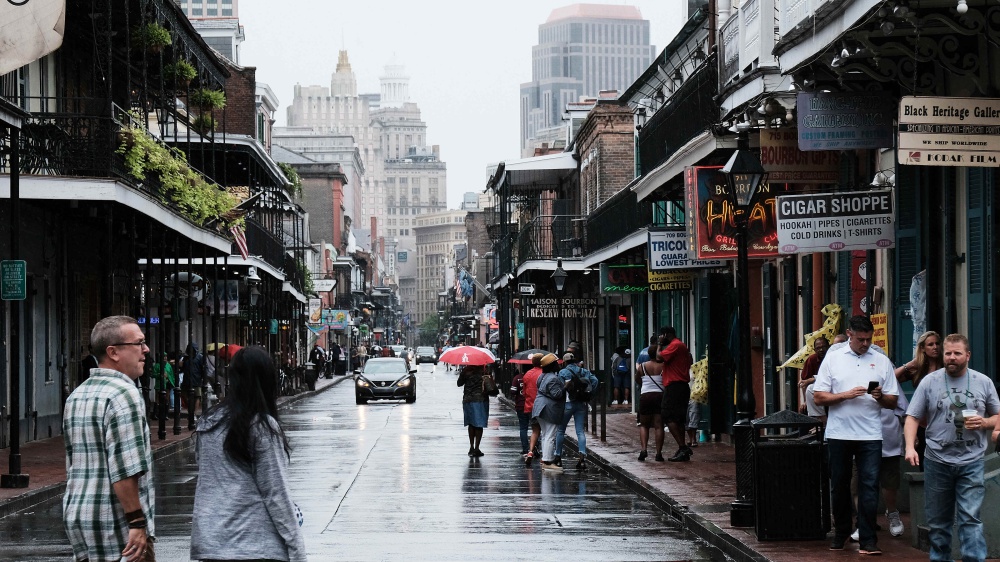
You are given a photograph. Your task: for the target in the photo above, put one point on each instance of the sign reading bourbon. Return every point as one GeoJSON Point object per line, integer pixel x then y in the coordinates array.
{"type": "Point", "coordinates": [711, 221]}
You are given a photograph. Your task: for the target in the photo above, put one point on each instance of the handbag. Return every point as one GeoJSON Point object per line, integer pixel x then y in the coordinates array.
{"type": "Point", "coordinates": [490, 387]}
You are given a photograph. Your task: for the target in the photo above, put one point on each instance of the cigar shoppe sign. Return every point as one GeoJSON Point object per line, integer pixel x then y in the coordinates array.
{"type": "Point", "coordinates": [711, 221]}
{"type": "Point", "coordinates": [823, 222]}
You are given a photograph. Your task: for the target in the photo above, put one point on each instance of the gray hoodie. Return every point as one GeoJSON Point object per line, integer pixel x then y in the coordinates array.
{"type": "Point", "coordinates": [239, 513]}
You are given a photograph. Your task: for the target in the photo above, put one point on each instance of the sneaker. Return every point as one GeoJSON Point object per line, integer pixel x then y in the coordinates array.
{"type": "Point", "coordinates": [478, 453]}
{"type": "Point", "coordinates": [642, 455]}
{"type": "Point", "coordinates": [855, 536]}
{"type": "Point", "coordinates": [895, 524]}
{"type": "Point", "coordinates": [659, 457]}
{"type": "Point", "coordinates": [551, 466]}
{"type": "Point", "coordinates": [581, 464]}
{"type": "Point", "coordinates": [837, 543]}
{"type": "Point", "coordinates": [472, 451]}
{"type": "Point", "coordinates": [680, 456]}
{"type": "Point", "coordinates": [558, 461]}
{"type": "Point", "coordinates": [527, 460]}
{"type": "Point", "coordinates": [870, 550]}
{"type": "Point", "coordinates": [688, 451]}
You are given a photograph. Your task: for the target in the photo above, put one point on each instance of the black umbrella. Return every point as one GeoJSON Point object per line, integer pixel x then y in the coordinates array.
{"type": "Point", "coordinates": [522, 356]}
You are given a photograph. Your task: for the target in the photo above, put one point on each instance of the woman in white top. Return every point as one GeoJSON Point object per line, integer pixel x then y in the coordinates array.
{"type": "Point", "coordinates": [650, 376]}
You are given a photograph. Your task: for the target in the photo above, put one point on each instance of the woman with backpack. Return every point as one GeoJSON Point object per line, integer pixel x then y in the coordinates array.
{"type": "Point", "coordinates": [549, 408]}
{"type": "Point", "coordinates": [621, 368]}
{"type": "Point", "coordinates": [581, 386]}
{"type": "Point", "coordinates": [649, 375]}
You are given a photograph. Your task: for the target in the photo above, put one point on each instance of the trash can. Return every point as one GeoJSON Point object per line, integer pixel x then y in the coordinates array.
{"type": "Point", "coordinates": [311, 375]}
{"type": "Point", "coordinates": [791, 478]}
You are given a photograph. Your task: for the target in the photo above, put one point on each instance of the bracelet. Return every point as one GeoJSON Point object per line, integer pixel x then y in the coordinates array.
{"type": "Point", "coordinates": [133, 515]}
{"type": "Point", "coordinates": [137, 524]}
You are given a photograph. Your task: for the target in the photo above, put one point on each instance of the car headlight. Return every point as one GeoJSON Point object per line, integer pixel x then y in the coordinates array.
{"type": "Point", "coordinates": [362, 382]}
{"type": "Point", "coordinates": [403, 382]}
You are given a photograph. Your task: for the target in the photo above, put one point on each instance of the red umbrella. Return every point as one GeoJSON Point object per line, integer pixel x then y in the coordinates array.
{"type": "Point", "coordinates": [228, 351]}
{"type": "Point", "coordinates": [468, 355]}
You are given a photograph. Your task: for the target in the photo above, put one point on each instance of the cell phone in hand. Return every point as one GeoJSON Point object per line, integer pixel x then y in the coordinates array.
{"type": "Point", "coordinates": [872, 385]}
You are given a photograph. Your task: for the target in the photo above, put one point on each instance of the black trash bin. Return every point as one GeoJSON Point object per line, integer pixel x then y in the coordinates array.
{"type": "Point", "coordinates": [311, 375]}
{"type": "Point", "coordinates": [791, 478]}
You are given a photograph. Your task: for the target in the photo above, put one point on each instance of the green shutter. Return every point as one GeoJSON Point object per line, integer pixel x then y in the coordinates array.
{"type": "Point", "coordinates": [908, 259]}
{"type": "Point", "coordinates": [979, 229]}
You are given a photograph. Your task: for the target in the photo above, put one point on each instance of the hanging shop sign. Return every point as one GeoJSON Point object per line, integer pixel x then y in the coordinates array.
{"type": "Point", "coordinates": [671, 281]}
{"type": "Point", "coordinates": [844, 121]}
{"type": "Point", "coordinates": [949, 131]}
{"type": "Point", "coordinates": [824, 222]}
{"type": "Point", "coordinates": [336, 319]}
{"type": "Point", "coordinates": [671, 250]}
{"type": "Point", "coordinates": [710, 220]}
{"type": "Point", "coordinates": [623, 279]}
{"type": "Point", "coordinates": [324, 285]}
{"type": "Point", "coordinates": [315, 311]}
{"type": "Point", "coordinates": [489, 312]}
{"type": "Point", "coordinates": [880, 336]}
{"type": "Point", "coordinates": [785, 162]}
{"type": "Point", "coordinates": [561, 307]}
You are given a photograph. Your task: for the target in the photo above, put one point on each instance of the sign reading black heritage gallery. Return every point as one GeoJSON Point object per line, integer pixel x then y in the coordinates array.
{"type": "Point", "coordinates": [559, 307]}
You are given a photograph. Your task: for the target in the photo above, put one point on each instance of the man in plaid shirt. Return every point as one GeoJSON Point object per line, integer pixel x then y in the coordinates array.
{"type": "Point", "coordinates": [108, 504]}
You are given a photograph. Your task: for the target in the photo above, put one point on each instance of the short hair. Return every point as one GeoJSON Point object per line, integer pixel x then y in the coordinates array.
{"type": "Point", "coordinates": [653, 340]}
{"type": "Point", "coordinates": [106, 332]}
{"type": "Point", "coordinates": [860, 323]}
{"type": "Point", "coordinates": [668, 331]}
{"type": "Point", "coordinates": [957, 338]}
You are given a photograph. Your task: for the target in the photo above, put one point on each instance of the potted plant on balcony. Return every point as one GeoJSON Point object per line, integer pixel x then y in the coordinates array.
{"type": "Point", "coordinates": [204, 124]}
{"type": "Point", "coordinates": [153, 37]}
{"type": "Point", "coordinates": [179, 74]}
{"type": "Point", "coordinates": [208, 99]}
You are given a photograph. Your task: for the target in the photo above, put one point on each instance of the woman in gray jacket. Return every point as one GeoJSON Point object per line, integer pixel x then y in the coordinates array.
{"type": "Point", "coordinates": [549, 407]}
{"type": "Point", "coordinates": [242, 507]}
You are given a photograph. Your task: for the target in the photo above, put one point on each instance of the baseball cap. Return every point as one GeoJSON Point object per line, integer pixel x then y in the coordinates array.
{"type": "Point", "coordinates": [569, 358]}
{"type": "Point", "coordinates": [628, 352]}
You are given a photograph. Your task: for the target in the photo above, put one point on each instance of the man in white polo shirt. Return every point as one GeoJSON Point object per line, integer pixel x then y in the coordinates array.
{"type": "Point", "coordinates": [855, 383]}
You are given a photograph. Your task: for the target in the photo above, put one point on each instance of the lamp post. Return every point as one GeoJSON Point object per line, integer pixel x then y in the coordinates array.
{"type": "Point", "coordinates": [744, 176]}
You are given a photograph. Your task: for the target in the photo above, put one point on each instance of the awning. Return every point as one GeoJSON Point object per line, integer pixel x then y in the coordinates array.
{"type": "Point", "coordinates": [251, 261]}
{"type": "Point", "coordinates": [287, 287]}
{"type": "Point", "coordinates": [634, 240]}
{"type": "Point", "coordinates": [539, 172]}
{"type": "Point", "coordinates": [690, 154]}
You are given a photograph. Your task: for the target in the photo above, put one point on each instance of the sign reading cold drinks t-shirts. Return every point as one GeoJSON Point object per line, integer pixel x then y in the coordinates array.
{"type": "Point", "coordinates": [823, 222]}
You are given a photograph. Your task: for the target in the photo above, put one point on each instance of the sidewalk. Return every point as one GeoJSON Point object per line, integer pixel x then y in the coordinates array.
{"type": "Point", "coordinates": [45, 461]}
{"type": "Point", "coordinates": [698, 494]}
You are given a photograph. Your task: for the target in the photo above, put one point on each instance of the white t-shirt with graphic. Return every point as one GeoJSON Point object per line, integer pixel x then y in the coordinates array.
{"type": "Point", "coordinates": [856, 419]}
{"type": "Point", "coordinates": [940, 399]}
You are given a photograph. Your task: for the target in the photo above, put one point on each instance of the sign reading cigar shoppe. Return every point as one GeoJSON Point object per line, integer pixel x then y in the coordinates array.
{"type": "Point", "coordinates": [821, 222]}
{"type": "Point", "coordinates": [949, 131]}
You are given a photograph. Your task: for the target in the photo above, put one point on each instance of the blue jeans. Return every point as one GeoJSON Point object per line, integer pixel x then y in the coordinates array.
{"type": "Point", "coordinates": [868, 456]}
{"type": "Point", "coordinates": [577, 411]}
{"type": "Point", "coordinates": [951, 490]}
{"type": "Point", "coordinates": [523, 421]}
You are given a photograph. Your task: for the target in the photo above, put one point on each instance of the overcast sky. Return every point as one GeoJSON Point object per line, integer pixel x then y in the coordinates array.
{"type": "Point", "coordinates": [466, 61]}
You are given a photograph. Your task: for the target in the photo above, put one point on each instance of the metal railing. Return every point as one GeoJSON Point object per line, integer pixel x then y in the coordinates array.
{"type": "Point", "coordinates": [620, 216]}
{"type": "Point", "coordinates": [262, 243]}
{"type": "Point", "coordinates": [550, 237]}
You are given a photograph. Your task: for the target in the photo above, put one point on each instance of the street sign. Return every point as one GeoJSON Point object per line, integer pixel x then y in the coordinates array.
{"type": "Point", "coordinates": [13, 280]}
{"type": "Point", "coordinates": [526, 288]}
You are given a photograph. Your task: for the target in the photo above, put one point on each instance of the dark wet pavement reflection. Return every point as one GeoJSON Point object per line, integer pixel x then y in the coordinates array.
{"type": "Point", "coordinates": [389, 480]}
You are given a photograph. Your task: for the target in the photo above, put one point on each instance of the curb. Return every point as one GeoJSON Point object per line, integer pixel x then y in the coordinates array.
{"type": "Point", "coordinates": [35, 497]}
{"type": "Point", "coordinates": [708, 532]}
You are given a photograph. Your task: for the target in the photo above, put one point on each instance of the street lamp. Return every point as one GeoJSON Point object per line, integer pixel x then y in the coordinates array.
{"type": "Point", "coordinates": [744, 176]}
{"type": "Point", "coordinates": [559, 276]}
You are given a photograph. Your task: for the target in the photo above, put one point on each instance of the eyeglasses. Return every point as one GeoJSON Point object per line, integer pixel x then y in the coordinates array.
{"type": "Point", "coordinates": [140, 344]}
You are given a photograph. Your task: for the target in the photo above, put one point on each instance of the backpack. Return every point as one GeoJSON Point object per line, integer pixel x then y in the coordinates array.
{"type": "Point", "coordinates": [622, 366]}
{"type": "Point", "coordinates": [579, 389]}
{"type": "Point", "coordinates": [196, 370]}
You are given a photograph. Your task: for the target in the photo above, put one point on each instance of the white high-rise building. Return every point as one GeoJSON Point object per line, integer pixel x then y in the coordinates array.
{"type": "Point", "coordinates": [218, 23]}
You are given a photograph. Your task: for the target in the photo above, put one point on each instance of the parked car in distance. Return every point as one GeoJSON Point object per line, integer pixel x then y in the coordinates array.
{"type": "Point", "coordinates": [426, 354]}
{"type": "Point", "coordinates": [385, 378]}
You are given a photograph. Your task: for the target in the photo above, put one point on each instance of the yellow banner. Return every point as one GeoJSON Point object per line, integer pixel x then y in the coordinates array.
{"type": "Point", "coordinates": [881, 335]}
{"type": "Point", "coordinates": [830, 328]}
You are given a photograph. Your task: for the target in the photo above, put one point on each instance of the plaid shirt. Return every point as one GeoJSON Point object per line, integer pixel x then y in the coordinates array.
{"type": "Point", "coordinates": [107, 440]}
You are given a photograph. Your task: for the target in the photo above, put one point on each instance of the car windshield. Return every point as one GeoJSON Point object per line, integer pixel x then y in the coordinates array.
{"type": "Point", "coordinates": [429, 350]}
{"type": "Point", "coordinates": [390, 366]}
{"type": "Point", "coordinates": [398, 348]}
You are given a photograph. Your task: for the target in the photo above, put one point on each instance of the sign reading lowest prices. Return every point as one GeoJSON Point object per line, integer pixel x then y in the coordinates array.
{"type": "Point", "coordinates": [824, 222]}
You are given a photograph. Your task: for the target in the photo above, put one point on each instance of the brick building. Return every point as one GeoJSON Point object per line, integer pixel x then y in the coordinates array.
{"type": "Point", "coordinates": [606, 145]}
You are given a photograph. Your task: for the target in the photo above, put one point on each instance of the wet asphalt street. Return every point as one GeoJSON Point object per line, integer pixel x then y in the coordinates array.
{"type": "Point", "coordinates": [388, 481]}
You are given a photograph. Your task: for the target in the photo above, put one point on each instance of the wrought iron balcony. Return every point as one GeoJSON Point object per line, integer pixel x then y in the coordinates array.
{"type": "Point", "coordinates": [262, 243]}
{"type": "Point", "coordinates": [550, 237]}
{"type": "Point", "coordinates": [619, 217]}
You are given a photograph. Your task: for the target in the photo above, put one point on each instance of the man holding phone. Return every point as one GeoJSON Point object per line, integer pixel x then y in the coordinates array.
{"type": "Point", "coordinates": [855, 383]}
{"type": "Point", "coordinates": [959, 407]}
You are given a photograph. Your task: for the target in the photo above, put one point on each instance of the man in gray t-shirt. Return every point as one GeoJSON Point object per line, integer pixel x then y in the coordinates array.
{"type": "Point", "coordinates": [959, 407]}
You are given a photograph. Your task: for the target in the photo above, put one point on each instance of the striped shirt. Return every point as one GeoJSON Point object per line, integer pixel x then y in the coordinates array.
{"type": "Point", "coordinates": [107, 440]}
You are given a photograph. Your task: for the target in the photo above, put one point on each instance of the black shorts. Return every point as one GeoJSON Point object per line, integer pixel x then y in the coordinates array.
{"type": "Point", "coordinates": [675, 402]}
{"type": "Point", "coordinates": [650, 403]}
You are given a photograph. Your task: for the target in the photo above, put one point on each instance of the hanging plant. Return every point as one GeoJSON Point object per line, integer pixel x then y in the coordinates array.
{"type": "Point", "coordinates": [204, 124]}
{"type": "Point", "coordinates": [294, 180]}
{"type": "Point", "coordinates": [208, 99]}
{"type": "Point", "coordinates": [153, 37]}
{"type": "Point", "coordinates": [189, 192]}
{"type": "Point", "coordinates": [179, 74]}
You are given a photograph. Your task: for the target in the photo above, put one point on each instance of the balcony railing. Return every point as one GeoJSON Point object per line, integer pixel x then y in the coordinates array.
{"type": "Point", "coordinates": [262, 243]}
{"type": "Point", "coordinates": [619, 217]}
{"type": "Point", "coordinates": [746, 41]}
{"type": "Point", "coordinates": [550, 237]}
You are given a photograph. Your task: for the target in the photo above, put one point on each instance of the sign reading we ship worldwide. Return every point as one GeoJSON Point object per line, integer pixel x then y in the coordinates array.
{"type": "Point", "coordinates": [823, 222]}
{"type": "Point", "coordinates": [949, 131]}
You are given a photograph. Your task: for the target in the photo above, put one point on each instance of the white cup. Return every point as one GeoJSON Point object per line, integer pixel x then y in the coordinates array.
{"type": "Point", "coordinates": [969, 413]}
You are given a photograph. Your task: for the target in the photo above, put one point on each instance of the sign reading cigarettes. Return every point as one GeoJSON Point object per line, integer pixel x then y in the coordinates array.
{"type": "Point", "coordinates": [823, 222]}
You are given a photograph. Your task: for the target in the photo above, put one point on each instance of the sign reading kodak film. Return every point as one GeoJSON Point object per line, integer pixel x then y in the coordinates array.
{"type": "Point", "coordinates": [949, 131]}
{"type": "Point", "coordinates": [784, 162]}
{"type": "Point", "coordinates": [673, 281]}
